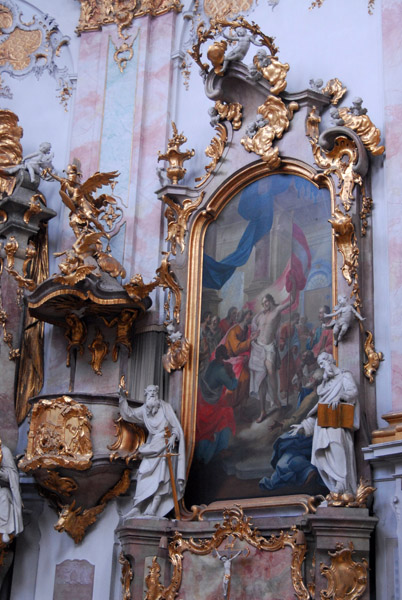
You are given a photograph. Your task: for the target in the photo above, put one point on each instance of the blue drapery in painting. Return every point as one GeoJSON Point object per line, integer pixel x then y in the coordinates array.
{"type": "Point", "coordinates": [258, 209]}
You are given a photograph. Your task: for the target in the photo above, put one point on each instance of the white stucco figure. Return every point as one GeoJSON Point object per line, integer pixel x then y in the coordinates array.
{"type": "Point", "coordinates": [226, 560]}
{"type": "Point", "coordinates": [243, 40]}
{"type": "Point", "coordinates": [35, 162]}
{"type": "Point", "coordinates": [10, 496]}
{"type": "Point", "coordinates": [154, 495]}
{"type": "Point", "coordinates": [344, 311]}
{"type": "Point", "coordinates": [333, 451]}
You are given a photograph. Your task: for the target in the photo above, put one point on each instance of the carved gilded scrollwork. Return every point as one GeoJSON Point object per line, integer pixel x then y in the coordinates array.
{"type": "Point", "coordinates": [64, 486]}
{"type": "Point", "coordinates": [359, 500]}
{"type": "Point", "coordinates": [369, 134]}
{"type": "Point", "coordinates": [335, 90]}
{"type": "Point", "coordinates": [235, 525]}
{"type": "Point", "coordinates": [76, 521]}
{"type": "Point", "coordinates": [177, 354]}
{"type": "Point", "coordinates": [373, 357]}
{"type": "Point", "coordinates": [175, 157]}
{"type": "Point", "coordinates": [214, 151]}
{"type": "Point", "coordinates": [312, 122]}
{"type": "Point", "coordinates": [177, 217]}
{"type": "Point", "coordinates": [230, 112]}
{"type": "Point", "coordinates": [75, 334]}
{"type": "Point", "coordinates": [345, 238]}
{"type": "Point", "coordinates": [127, 575]}
{"type": "Point", "coordinates": [10, 152]}
{"type": "Point", "coordinates": [272, 70]}
{"type": "Point", "coordinates": [59, 435]}
{"type": "Point", "coordinates": [275, 121]}
{"type": "Point", "coordinates": [347, 579]}
{"type": "Point", "coordinates": [99, 349]}
{"type": "Point", "coordinates": [129, 438]}
{"type": "Point", "coordinates": [35, 207]}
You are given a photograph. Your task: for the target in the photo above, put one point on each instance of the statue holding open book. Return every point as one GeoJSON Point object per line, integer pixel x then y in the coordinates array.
{"type": "Point", "coordinates": [332, 423]}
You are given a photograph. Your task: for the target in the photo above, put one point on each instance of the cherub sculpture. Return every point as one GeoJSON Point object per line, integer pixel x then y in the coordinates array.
{"type": "Point", "coordinates": [36, 162]}
{"type": "Point", "coordinates": [243, 40]}
{"type": "Point", "coordinates": [344, 311]}
{"type": "Point", "coordinates": [316, 85]}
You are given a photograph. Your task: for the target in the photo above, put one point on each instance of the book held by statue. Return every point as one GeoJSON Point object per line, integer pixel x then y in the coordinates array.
{"type": "Point", "coordinates": [341, 416]}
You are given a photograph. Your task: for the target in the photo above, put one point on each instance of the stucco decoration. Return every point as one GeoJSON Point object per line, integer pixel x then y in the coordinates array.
{"type": "Point", "coordinates": [31, 47]}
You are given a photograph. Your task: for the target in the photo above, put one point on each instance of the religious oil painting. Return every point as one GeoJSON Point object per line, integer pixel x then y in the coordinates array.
{"type": "Point", "coordinates": [266, 291]}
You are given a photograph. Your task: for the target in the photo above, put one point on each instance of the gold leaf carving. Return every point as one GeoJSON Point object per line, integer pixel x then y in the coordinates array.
{"type": "Point", "coordinates": [177, 217]}
{"type": "Point", "coordinates": [373, 357]}
{"type": "Point", "coordinates": [274, 71]}
{"type": "Point", "coordinates": [10, 151]}
{"type": "Point", "coordinates": [35, 207]}
{"type": "Point", "coordinates": [278, 116]}
{"type": "Point", "coordinates": [214, 151]}
{"type": "Point", "coordinates": [335, 90]}
{"type": "Point", "coordinates": [64, 486]}
{"type": "Point", "coordinates": [347, 580]}
{"type": "Point", "coordinates": [235, 526]}
{"type": "Point", "coordinates": [76, 521]}
{"type": "Point", "coordinates": [10, 248]}
{"type": "Point", "coordinates": [99, 349]}
{"type": "Point", "coordinates": [124, 324]}
{"type": "Point", "coordinates": [345, 239]}
{"type": "Point", "coordinates": [231, 112]}
{"type": "Point", "coordinates": [219, 9]}
{"type": "Point", "coordinates": [369, 134]}
{"type": "Point", "coordinates": [175, 157]}
{"type": "Point", "coordinates": [177, 355]}
{"type": "Point", "coordinates": [129, 438]}
{"type": "Point", "coordinates": [59, 435]}
{"type": "Point", "coordinates": [127, 575]}
{"type": "Point", "coordinates": [16, 50]}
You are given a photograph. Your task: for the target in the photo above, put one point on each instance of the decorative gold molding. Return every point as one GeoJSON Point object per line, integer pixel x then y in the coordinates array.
{"type": "Point", "coordinates": [76, 521]}
{"type": "Point", "coordinates": [124, 324]}
{"type": "Point", "coordinates": [64, 486]}
{"type": "Point", "coordinates": [312, 122]}
{"type": "Point", "coordinates": [275, 121]}
{"type": "Point", "coordinates": [10, 152]}
{"type": "Point", "coordinates": [97, 13]}
{"type": "Point", "coordinates": [175, 157]}
{"type": "Point", "coordinates": [129, 438]}
{"type": "Point", "coordinates": [369, 134]}
{"type": "Point", "coordinates": [275, 72]}
{"type": "Point", "coordinates": [177, 217]}
{"type": "Point", "coordinates": [235, 525]}
{"type": "Point", "coordinates": [10, 248]}
{"type": "Point", "coordinates": [75, 334]}
{"type": "Point", "coordinates": [59, 435]}
{"type": "Point", "coordinates": [177, 354]}
{"type": "Point", "coordinates": [127, 575]}
{"type": "Point", "coordinates": [230, 112]}
{"type": "Point", "coordinates": [347, 580]}
{"type": "Point", "coordinates": [345, 238]}
{"type": "Point", "coordinates": [35, 207]}
{"type": "Point", "coordinates": [99, 349]}
{"type": "Point", "coordinates": [358, 500]}
{"type": "Point", "coordinates": [373, 357]}
{"type": "Point", "coordinates": [335, 90]}
{"type": "Point", "coordinates": [214, 151]}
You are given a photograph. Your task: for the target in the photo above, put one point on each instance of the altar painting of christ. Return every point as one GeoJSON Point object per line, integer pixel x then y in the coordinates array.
{"type": "Point", "coordinates": [267, 284]}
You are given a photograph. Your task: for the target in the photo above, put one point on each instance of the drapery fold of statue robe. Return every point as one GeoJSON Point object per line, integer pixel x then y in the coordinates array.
{"type": "Point", "coordinates": [153, 475]}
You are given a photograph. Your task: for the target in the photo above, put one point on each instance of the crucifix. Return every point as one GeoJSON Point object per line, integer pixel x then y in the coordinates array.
{"type": "Point", "coordinates": [226, 556]}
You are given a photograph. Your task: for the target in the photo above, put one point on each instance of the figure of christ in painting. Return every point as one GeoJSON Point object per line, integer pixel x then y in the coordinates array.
{"type": "Point", "coordinates": [322, 339]}
{"type": "Point", "coordinates": [215, 418]}
{"type": "Point", "coordinates": [289, 346]}
{"type": "Point", "coordinates": [264, 358]}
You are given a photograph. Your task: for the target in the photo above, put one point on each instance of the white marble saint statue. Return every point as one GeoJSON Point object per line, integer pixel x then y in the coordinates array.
{"type": "Point", "coordinates": [154, 493]}
{"type": "Point", "coordinates": [344, 311]}
{"type": "Point", "coordinates": [35, 162]}
{"type": "Point", "coordinates": [10, 497]}
{"type": "Point", "coordinates": [333, 450]}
